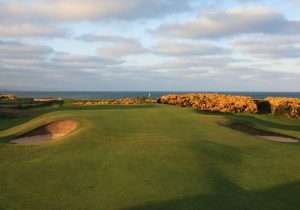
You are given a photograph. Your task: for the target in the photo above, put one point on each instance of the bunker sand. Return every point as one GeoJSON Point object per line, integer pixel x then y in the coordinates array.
{"type": "Point", "coordinates": [267, 135]}
{"type": "Point", "coordinates": [45, 133]}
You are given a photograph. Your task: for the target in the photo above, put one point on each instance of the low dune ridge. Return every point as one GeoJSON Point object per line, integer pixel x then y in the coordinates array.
{"type": "Point", "coordinates": [48, 132]}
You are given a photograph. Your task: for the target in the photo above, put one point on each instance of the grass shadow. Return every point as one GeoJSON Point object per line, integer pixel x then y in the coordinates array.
{"type": "Point", "coordinates": [105, 107]}
{"type": "Point", "coordinates": [257, 121]}
{"type": "Point", "coordinates": [228, 195]}
{"type": "Point", "coordinates": [218, 152]}
{"type": "Point", "coordinates": [251, 120]}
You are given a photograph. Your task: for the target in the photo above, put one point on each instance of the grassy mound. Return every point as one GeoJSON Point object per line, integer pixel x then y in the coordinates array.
{"type": "Point", "coordinates": [150, 157]}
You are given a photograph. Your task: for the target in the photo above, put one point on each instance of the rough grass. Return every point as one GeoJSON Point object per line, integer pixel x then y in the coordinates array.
{"type": "Point", "coordinates": [150, 157]}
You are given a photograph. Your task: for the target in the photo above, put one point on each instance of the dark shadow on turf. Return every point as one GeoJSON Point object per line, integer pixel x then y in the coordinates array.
{"type": "Point", "coordinates": [105, 107]}
{"type": "Point", "coordinates": [265, 123]}
{"type": "Point", "coordinates": [261, 133]}
{"type": "Point", "coordinates": [230, 196]}
{"type": "Point", "coordinates": [218, 152]}
{"type": "Point", "coordinates": [251, 120]}
{"type": "Point", "coordinates": [254, 131]}
{"type": "Point", "coordinates": [226, 194]}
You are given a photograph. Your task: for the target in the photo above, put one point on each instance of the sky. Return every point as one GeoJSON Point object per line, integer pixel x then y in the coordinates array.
{"type": "Point", "coordinates": [150, 45]}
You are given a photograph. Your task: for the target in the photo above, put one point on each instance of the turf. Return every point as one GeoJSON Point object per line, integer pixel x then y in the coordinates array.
{"type": "Point", "coordinates": [150, 157]}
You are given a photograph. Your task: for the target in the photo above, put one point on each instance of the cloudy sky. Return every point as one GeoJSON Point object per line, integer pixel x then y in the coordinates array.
{"type": "Point", "coordinates": [180, 45]}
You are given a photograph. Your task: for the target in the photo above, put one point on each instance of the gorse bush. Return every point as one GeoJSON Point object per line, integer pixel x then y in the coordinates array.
{"type": "Point", "coordinates": [125, 101]}
{"type": "Point", "coordinates": [213, 102]}
{"type": "Point", "coordinates": [289, 107]}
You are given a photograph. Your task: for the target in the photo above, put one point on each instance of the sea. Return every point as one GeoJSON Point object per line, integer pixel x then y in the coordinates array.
{"type": "Point", "coordinates": [104, 95]}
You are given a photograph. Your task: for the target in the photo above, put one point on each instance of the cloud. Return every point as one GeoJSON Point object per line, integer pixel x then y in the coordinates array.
{"type": "Point", "coordinates": [121, 46]}
{"type": "Point", "coordinates": [231, 22]}
{"type": "Point", "coordinates": [217, 73]}
{"type": "Point", "coordinates": [295, 2]}
{"type": "Point", "coordinates": [122, 49]}
{"type": "Point", "coordinates": [246, 1]}
{"type": "Point", "coordinates": [15, 50]}
{"type": "Point", "coordinates": [192, 48]}
{"type": "Point", "coordinates": [61, 71]}
{"type": "Point", "coordinates": [43, 18]}
{"type": "Point", "coordinates": [115, 45]}
{"type": "Point", "coordinates": [103, 38]}
{"type": "Point", "coordinates": [29, 30]}
{"type": "Point", "coordinates": [84, 61]}
{"type": "Point", "coordinates": [183, 59]}
{"type": "Point", "coordinates": [78, 10]}
{"type": "Point", "coordinates": [274, 47]}
{"type": "Point", "coordinates": [188, 65]}
{"type": "Point", "coordinates": [33, 59]}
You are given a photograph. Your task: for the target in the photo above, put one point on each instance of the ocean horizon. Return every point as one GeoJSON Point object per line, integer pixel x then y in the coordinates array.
{"type": "Point", "coordinates": [104, 95]}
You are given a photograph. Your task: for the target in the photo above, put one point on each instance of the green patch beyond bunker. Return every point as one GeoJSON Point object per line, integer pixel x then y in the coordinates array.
{"type": "Point", "coordinates": [153, 156]}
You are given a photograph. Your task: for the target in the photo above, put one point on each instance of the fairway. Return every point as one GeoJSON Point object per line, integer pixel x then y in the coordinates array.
{"type": "Point", "coordinates": [150, 157]}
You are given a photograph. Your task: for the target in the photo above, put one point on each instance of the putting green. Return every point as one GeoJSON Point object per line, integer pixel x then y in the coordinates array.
{"type": "Point", "coordinates": [150, 157]}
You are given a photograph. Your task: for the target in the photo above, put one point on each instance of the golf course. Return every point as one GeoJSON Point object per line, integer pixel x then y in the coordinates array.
{"type": "Point", "coordinates": [149, 157]}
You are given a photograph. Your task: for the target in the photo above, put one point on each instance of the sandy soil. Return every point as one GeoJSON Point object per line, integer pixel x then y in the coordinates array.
{"type": "Point", "coordinates": [32, 139]}
{"type": "Point", "coordinates": [279, 139]}
{"type": "Point", "coordinates": [61, 128]}
{"type": "Point", "coordinates": [268, 135]}
{"type": "Point", "coordinates": [47, 132]}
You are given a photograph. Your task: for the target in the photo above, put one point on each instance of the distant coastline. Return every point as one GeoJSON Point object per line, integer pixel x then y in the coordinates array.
{"type": "Point", "coordinates": [97, 95]}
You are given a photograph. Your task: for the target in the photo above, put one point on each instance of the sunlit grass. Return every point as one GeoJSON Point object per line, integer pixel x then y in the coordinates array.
{"type": "Point", "coordinates": [150, 157]}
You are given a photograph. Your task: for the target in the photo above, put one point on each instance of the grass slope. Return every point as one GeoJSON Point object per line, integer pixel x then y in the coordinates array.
{"type": "Point", "coordinates": [150, 157]}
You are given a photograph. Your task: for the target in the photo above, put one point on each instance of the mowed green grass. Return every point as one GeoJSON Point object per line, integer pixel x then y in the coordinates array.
{"type": "Point", "coordinates": [150, 157]}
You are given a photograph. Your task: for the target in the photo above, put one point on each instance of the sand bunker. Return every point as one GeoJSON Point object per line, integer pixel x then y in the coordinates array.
{"type": "Point", "coordinates": [47, 132]}
{"type": "Point", "coordinates": [268, 135]}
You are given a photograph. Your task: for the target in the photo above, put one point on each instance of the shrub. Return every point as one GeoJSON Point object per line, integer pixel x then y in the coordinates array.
{"type": "Point", "coordinates": [285, 106]}
{"type": "Point", "coordinates": [213, 102]}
